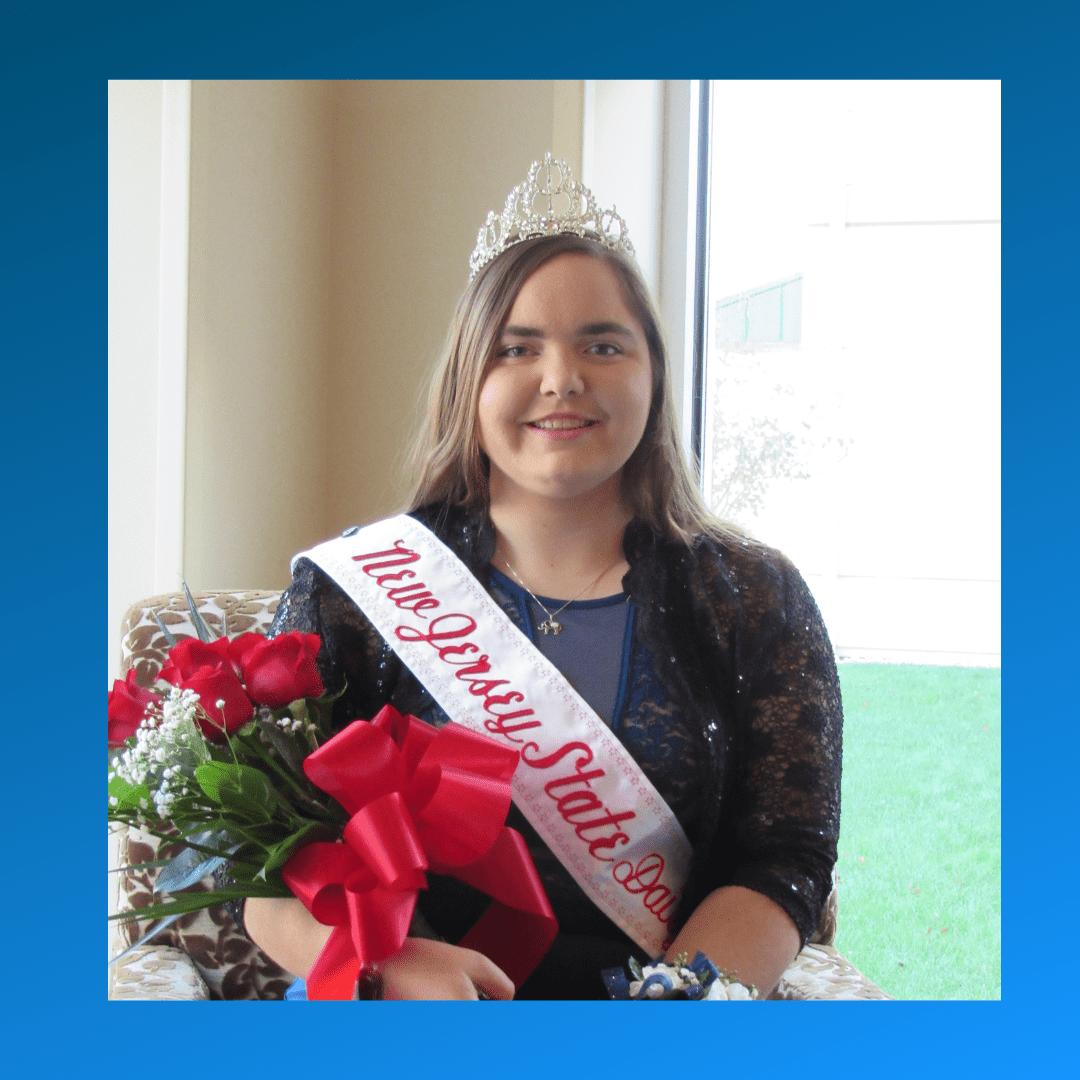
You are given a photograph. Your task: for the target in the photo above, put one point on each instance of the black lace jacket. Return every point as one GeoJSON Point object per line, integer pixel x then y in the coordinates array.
{"type": "Point", "coordinates": [747, 673]}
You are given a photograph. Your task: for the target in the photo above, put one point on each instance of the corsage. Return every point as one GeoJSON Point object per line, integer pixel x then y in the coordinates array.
{"type": "Point", "coordinates": [698, 980]}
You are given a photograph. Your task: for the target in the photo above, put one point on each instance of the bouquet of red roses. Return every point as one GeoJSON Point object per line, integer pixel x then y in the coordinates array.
{"type": "Point", "coordinates": [213, 753]}
{"type": "Point", "coordinates": [235, 753]}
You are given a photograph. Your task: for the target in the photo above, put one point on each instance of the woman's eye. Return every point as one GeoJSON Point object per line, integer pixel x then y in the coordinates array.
{"type": "Point", "coordinates": [511, 352]}
{"type": "Point", "coordinates": [604, 348]}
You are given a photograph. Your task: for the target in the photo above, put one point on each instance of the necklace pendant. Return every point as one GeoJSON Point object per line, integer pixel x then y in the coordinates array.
{"type": "Point", "coordinates": [550, 626]}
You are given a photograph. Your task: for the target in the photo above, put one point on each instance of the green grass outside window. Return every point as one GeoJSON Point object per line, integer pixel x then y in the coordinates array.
{"type": "Point", "coordinates": [919, 867]}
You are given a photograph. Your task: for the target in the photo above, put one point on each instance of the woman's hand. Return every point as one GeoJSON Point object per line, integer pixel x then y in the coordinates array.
{"type": "Point", "coordinates": [423, 970]}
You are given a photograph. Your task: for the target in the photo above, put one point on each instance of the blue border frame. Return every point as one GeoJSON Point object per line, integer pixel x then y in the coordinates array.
{"type": "Point", "coordinates": [54, 62]}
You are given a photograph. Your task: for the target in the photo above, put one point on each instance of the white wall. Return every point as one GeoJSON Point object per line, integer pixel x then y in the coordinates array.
{"type": "Point", "coordinates": [639, 155]}
{"type": "Point", "coordinates": [148, 221]}
{"type": "Point", "coordinates": [623, 158]}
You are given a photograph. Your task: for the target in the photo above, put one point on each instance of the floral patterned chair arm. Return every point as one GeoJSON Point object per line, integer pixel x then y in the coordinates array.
{"type": "Point", "coordinates": [820, 973]}
{"type": "Point", "coordinates": [204, 956]}
{"type": "Point", "coordinates": [201, 955]}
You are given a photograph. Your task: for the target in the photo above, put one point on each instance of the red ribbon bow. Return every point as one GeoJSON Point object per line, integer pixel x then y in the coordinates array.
{"type": "Point", "coordinates": [419, 798]}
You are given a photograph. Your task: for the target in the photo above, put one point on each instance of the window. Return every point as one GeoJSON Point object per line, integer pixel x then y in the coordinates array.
{"type": "Point", "coordinates": [852, 354]}
{"type": "Point", "coordinates": [767, 313]}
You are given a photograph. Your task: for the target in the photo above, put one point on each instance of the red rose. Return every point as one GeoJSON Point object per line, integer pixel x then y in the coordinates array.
{"type": "Point", "coordinates": [281, 669]}
{"type": "Point", "coordinates": [207, 669]}
{"type": "Point", "coordinates": [127, 706]}
{"type": "Point", "coordinates": [240, 647]}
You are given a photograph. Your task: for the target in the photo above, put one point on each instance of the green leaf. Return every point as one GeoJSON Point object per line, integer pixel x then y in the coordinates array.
{"type": "Point", "coordinates": [128, 798]}
{"type": "Point", "coordinates": [251, 835]}
{"type": "Point", "coordinates": [151, 933]}
{"type": "Point", "coordinates": [201, 628]}
{"type": "Point", "coordinates": [140, 866]}
{"type": "Point", "coordinates": [329, 698]}
{"type": "Point", "coordinates": [187, 868]}
{"type": "Point", "coordinates": [237, 787]}
{"type": "Point", "coordinates": [198, 901]}
{"type": "Point", "coordinates": [300, 791]}
{"type": "Point", "coordinates": [285, 745]}
{"type": "Point", "coordinates": [244, 873]}
{"type": "Point", "coordinates": [170, 640]}
{"type": "Point", "coordinates": [279, 854]}
{"type": "Point", "coordinates": [247, 852]}
{"type": "Point", "coordinates": [320, 712]}
{"type": "Point", "coordinates": [212, 837]}
{"type": "Point", "coordinates": [246, 730]}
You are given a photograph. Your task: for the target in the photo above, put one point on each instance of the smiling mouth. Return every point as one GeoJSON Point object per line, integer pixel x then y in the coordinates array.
{"type": "Point", "coordinates": [561, 423]}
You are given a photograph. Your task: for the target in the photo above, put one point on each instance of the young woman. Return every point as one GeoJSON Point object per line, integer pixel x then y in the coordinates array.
{"type": "Point", "coordinates": [550, 466]}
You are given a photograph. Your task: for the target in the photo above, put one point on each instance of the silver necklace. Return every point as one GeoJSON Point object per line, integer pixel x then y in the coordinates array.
{"type": "Point", "coordinates": [551, 625]}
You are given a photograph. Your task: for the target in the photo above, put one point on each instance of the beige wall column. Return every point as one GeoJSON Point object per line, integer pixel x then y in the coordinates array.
{"type": "Point", "coordinates": [417, 166]}
{"type": "Point", "coordinates": [259, 333]}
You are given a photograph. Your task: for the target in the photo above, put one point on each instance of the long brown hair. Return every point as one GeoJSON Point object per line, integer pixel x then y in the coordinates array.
{"type": "Point", "coordinates": [446, 458]}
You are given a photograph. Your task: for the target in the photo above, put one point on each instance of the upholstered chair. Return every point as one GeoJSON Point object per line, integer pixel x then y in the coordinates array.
{"type": "Point", "coordinates": [202, 955]}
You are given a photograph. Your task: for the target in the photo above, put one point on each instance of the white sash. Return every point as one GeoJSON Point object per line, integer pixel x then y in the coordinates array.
{"type": "Point", "coordinates": [578, 786]}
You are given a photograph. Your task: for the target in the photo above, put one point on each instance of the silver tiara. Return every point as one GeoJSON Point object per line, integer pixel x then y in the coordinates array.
{"type": "Point", "coordinates": [565, 207]}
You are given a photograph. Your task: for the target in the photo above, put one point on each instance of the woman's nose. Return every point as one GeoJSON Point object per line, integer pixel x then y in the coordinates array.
{"type": "Point", "coordinates": [562, 375]}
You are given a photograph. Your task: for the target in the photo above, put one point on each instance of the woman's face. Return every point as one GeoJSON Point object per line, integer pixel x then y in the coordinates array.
{"type": "Point", "coordinates": [566, 401]}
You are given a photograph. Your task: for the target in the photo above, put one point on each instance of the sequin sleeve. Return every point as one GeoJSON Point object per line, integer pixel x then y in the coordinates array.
{"type": "Point", "coordinates": [781, 819]}
{"type": "Point", "coordinates": [352, 652]}
{"type": "Point", "coordinates": [744, 654]}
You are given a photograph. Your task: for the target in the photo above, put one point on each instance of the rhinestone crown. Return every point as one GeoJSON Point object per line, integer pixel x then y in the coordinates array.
{"type": "Point", "coordinates": [565, 206]}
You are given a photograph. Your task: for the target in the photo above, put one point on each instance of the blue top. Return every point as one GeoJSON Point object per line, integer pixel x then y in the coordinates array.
{"type": "Point", "coordinates": [593, 650]}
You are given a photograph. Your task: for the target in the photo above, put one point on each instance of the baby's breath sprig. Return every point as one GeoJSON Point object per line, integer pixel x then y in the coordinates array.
{"type": "Point", "coordinates": [169, 746]}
